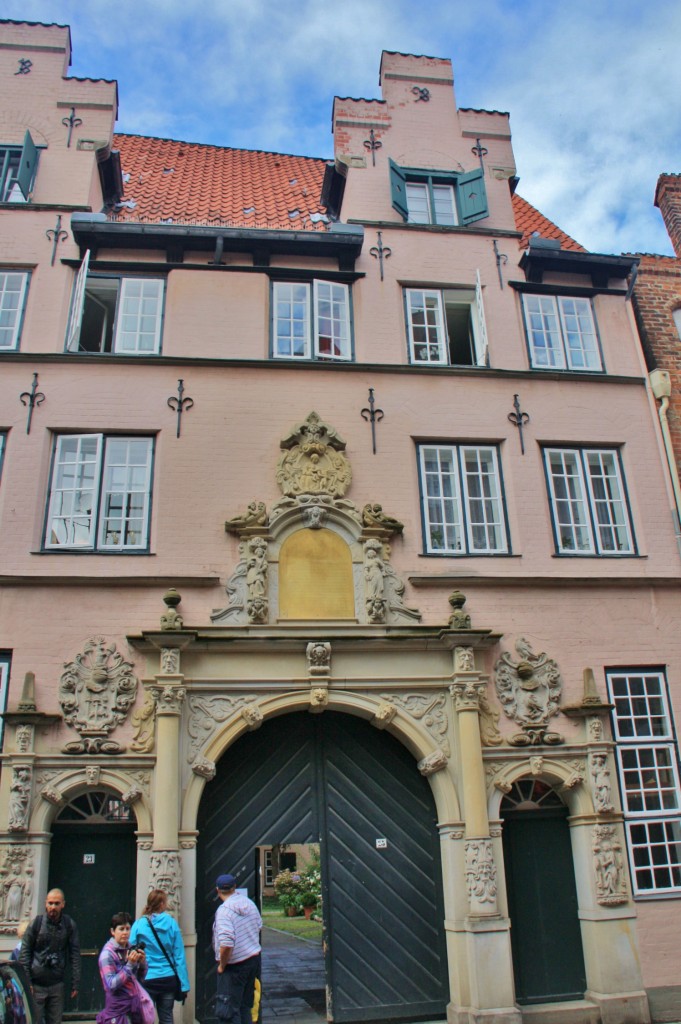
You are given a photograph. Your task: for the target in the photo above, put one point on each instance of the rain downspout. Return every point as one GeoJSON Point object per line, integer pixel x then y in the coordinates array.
{"type": "Point", "coordinates": [661, 385]}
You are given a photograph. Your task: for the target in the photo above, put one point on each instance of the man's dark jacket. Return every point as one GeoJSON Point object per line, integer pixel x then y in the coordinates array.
{"type": "Point", "coordinates": [47, 948]}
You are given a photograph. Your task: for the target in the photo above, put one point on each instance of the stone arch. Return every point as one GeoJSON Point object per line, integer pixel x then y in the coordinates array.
{"type": "Point", "coordinates": [566, 778]}
{"type": "Point", "coordinates": [407, 731]}
{"type": "Point", "coordinates": [73, 783]}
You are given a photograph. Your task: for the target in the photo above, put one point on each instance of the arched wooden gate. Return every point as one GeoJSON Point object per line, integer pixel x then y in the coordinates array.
{"type": "Point", "coordinates": [335, 779]}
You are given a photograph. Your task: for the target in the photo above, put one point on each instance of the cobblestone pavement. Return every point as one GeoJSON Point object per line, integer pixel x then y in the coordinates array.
{"type": "Point", "coordinates": [293, 980]}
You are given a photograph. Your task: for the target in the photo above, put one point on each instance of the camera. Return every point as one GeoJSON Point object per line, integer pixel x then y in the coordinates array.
{"type": "Point", "coordinates": [138, 947]}
{"type": "Point", "coordinates": [52, 961]}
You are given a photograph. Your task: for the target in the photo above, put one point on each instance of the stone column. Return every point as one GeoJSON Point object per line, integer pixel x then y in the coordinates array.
{"type": "Point", "coordinates": [481, 875]}
{"type": "Point", "coordinates": [168, 694]}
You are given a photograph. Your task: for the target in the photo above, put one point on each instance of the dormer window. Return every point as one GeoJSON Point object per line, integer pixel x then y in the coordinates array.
{"type": "Point", "coordinates": [17, 171]}
{"type": "Point", "coordinates": [446, 198]}
{"type": "Point", "coordinates": [561, 333]}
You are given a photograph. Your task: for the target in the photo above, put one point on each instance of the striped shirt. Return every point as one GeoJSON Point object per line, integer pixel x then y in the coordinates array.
{"type": "Point", "coordinates": [237, 926]}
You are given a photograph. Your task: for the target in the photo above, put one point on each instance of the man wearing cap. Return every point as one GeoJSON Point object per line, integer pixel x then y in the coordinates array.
{"type": "Point", "coordinates": [236, 941]}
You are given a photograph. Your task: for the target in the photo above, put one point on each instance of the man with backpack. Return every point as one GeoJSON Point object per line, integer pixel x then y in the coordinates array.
{"type": "Point", "coordinates": [49, 944]}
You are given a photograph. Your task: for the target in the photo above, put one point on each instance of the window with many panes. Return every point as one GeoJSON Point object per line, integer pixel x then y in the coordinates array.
{"type": "Point", "coordinates": [121, 314]}
{"type": "Point", "coordinates": [3, 443]}
{"type": "Point", "coordinates": [462, 500]}
{"type": "Point", "coordinates": [647, 761]}
{"type": "Point", "coordinates": [446, 326]}
{"type": "Point", "coordinates": [311, 320]}
{"type": "Point", "coordinates": [447, 198]}
{"type": "Point", "coordinates": [17, 170]}
{"type": "Point", "coordinates": [13, 291]}
{"type": "Point", "coordinates": [5, 662]}
{"type": "Point", "coordinates": [100, 493]}
{"type": "Point", "coordinates": [561, 333]}
{"type": "Point", "coordinates": [588, 502]}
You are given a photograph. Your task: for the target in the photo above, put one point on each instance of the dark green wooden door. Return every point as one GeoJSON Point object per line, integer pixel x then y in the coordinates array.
{"type": "Point", "coordinates": [548, 959]}
{"type": "Point", "coordinates": [95, 866]}
{"type": "Point", "coordinates": [336, 780]}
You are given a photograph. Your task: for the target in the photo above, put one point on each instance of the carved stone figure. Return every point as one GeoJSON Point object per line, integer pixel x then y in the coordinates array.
{"type": "Point", "coordinates": [609, 866]}
{"type": "Point", "coordinates": [489, 723]}
{"type": "Point", "coordinates": [255, 515]}
{"type": "Point", "coordinates": [384, 716]}
{"type": "Point", "coordinates": [165, 872]}
{"type": "Point", "coordinates": [52, 795]}
{"type": "Point", "coordinates": [24, 737]}
{"type": "Point", "coordinates": [459, 619]}
{"type": "Point", "coordinates": [374, 581]}
{"type": "Point", "coordinates": [170, 661]}
{"type": "Point", "coordinates": [314, 516]}
{"type": "Point", "coordinates": [313, 462]}
{"type": "Point", "coordinates": [595, 729]}
{"type": "Point", "coordinates": [256, 580]}
{"type": "Point", "coordinates": [171, 619]}
{"type": "Point", "coordinates": [536, 765]}
{"type": "Point", "coordinates": [132, 795]}
{"type": "Point", "coordinates": [481, 872]}
{"type": "Point", "coordinates": [16, 885]}
{"type": "Point", "coordinates": [319, 699]}
{"type": "Point", "coordinates": [96, 692]}
{"type": "Point", "coordinates": [434, 762]}
{"type": "Point", "coordinates": [252, 715]}
{"type": "Point", "coordinates": [204, 768]}
{"type": "Point", "coordinates": [529, 691]}
{"type": "Point", "coordinates": [318, 656]}
{"type": "Point", "coordinates": [143, 726]}
{"type": "Point", "coordinates": [19, 798]}
{"type": "Point", "coordinates": [464, 659]}
{"type": "Point", "coordinates": [92, 774]}
{"type": "Point", "coordinates": [601, 786]}
{"type": "Point", "coordinates": [237, 592]}
{"type": "Point", "coordinates": [374, 516]}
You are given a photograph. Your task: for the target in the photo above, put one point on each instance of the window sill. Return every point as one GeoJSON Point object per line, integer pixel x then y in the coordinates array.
{"type": "Point", "coordinates": [91, 551]}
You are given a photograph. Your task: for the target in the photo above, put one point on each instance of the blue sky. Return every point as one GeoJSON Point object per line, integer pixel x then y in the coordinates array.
{"type": "Point", "coordinates": [593, 86]}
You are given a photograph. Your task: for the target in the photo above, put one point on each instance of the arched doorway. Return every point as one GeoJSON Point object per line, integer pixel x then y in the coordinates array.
{"type": "Point", "coordinates": [335, 779]}
{"type": "Point", "coordinates": [93, 859]}
{"type": "Point", "coordinates": [546, 940]}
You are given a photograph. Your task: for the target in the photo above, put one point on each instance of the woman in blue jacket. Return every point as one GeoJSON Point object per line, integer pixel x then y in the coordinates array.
{"type": "Point", "coordinates": [161, 981]}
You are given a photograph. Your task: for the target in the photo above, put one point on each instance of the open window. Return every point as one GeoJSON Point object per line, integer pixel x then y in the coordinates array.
{"type": "Point", "coordinates": [447, 326]}
{"type": "Point", "coordinates": [18, 166]}
{"type": "Point", "coordinates": [438, 197]}
{"type": "Point", "coordinates": [115, 314]}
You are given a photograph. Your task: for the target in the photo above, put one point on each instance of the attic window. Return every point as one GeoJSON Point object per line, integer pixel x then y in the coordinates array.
{"type": "Point", "coordinates": [438, 197]}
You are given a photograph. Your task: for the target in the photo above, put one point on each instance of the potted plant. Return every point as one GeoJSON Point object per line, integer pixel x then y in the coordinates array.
{"type": "Point", "coordinates": [287, 887]}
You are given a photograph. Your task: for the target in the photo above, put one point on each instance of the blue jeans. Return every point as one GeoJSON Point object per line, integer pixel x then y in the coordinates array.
{"type": "Point", "coordinates": [162, 991]}
{"type": "Point", "coordinates": [236, 990]}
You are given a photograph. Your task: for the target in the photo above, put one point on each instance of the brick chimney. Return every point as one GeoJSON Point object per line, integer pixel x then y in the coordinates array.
{"type": "Point", "coordinates": [668, 199]}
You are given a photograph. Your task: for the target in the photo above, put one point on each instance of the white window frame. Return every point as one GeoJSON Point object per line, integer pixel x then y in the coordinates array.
{"type": "Point", "coordinates": [434, 343]}
{"type": "Point", "coordinates": [583, 518]}
{"type": "Point", "coordinates": [567, 326]}
{"type": "Point", "coordinates": [648, 770]}
{"type": "Point", "coordinates": [11, 309]}
{"type": "Point", "coordinates": [325, 324]}
{"type": "Point", "coordinates": [83, 483]}
{"type": "Point", "coordinates": [431, 203]}
{"type": "Point", "coordinates": [120, 330]}
{"type": "Point", "coordinates": [456, 505]}
{"type": "Point", "coordinates": [5, 664]}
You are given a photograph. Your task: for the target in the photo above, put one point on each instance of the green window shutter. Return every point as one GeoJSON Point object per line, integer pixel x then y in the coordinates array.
{"type": "Point", "coordinates": [29, 160]}
{"type": "Point", "coordinates": [471, 196]}
{"type": "Point", "coordinates": [398, 189]}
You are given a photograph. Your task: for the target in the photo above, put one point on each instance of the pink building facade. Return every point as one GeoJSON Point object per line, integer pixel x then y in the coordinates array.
{"type": "Point", "coordinates": [334, 515]}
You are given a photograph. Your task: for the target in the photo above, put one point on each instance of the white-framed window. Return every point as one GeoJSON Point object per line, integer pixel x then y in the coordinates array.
{"type": "Point", "coordinates": [311, 320]}
{"type": "Point", "coordinates": [18, 166]}
{"type": "Point", "coordinates": [647, 762]}
{"type": "Point", "coordinates": [123, 315]}
{"type": "Point", "coordinates": [5, 662]}
{"type": "Point", "coordinates": [462, 500]}
{"type": "Point", "coordinates": [429, 203]}
{"type": "Point", "coordinates": [429, 196]}
{"type": "Point", "coordinates": [269, 869]}
{"type": "Point", "coordinates": [13, 291]}
{"type": "Point", "coordinates": [561, 333]}
{"type": "Point", "coordinates": [446, 326]}
{"type": "Point", "coordinates": [677, 321]}
{"type": "Point", "coordinates": [588, 502]}
{"type": "Point", "coordinates": [100, 493]}
{"type": "Point", "coordinates": [3, 445]}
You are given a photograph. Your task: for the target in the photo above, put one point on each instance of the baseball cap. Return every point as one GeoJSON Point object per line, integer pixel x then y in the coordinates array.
{"type": "Point", "coordinates": [225, 882]}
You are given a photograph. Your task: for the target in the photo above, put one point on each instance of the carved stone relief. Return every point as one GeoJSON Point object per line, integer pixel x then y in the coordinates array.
{"type": "Point", "coordinates": [170, 661]}
{"type": "Point", "coordinates": [481, 872]}
{"type": "Point", "coordinates": [464, 659]}
{"type": "Point", "coordinates": [254, 516]}
{"type": "Point", "coordinates": [95, 693]}
{"type": "Point", "coordinates": [24, 738]}
{"type": "Point", "coordinates": [247, 586]}
{"type": "Point", "coordinates": [601, 786]}
{"type": "Point", "coordinates": [252, 716]}
{"type": "Point", "coordinates": [20, 798]}
{"type": "Point", "coordinates": [313, 461]}
{"type": "Point", "coordinates": [608, 865]}
{"type": "Point", "coordinates": [205, 713]}
{"type": "Point", "coordinates": [92, 773]}
{"type": "Point", "coordinates": [132, 795]}
{"type": "Point", "coordinates": [204, 768]}
{"type": "Point", "coordinates": [168, 699]}
{"type": "Point", "coordinates": [429, 709]}
{"type": "Point", "coordinates": [529, 691]}
{"type": "Point", "coordinates": [319, 699]}
{"type": "Point", "coordinates": [16, 886]}
{"type": "Point", "coordinates": [318, 659]}
{"type": "Point", "coordinates": [373, 516]}
{"type": "Point", "coordinates": [384, 716]}
{"type": "Point", "coordinates": [52, 795]}
{"type": "Point", "coordinates": [434, 762]}
{"type": "Point", "coordinates": [165, 872]}
{"type": "Point", "coordinates": [595, 729]}
{"type": "Point", "coordinates": [576, 776]}
{"type": "Point", "coordinates": [143, 727]}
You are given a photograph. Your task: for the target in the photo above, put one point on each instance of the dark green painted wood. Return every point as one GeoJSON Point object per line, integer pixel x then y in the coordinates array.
{"type": "Point", "coordinates": [548, 958]}
{"type": "Point", "coordinates": [94, 892]}
{"type": "Point", "coordinates": [335, 778]}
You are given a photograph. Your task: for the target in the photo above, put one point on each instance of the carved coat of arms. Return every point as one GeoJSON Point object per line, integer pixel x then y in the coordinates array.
{"type": "Point", "coordinates": [96, 692]}
{"type": "Point", "coordinates": [529, 691]}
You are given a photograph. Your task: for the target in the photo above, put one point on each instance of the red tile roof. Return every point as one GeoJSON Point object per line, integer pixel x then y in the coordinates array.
{"type": "Point", "coordinates": [187, 182]}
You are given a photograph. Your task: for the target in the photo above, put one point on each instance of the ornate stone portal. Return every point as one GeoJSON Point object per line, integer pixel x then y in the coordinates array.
{"type": "Point", "coordinates": [314, 474]}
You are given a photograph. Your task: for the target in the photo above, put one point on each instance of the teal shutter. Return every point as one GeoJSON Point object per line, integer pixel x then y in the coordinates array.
{"type": "Point", "coordinates": [398, 189]}
{"type": "Point", "coordinates": [471, 196]}
{"type": "Point", "coordinates": [29, 159]}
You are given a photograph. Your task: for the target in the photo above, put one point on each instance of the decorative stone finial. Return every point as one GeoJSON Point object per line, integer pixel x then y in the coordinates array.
{"type": "Point", "coordinates": [27, 699]}
{"type": "Point", "coordinates": [171, 619]}
{"type": "Point", "coordinates": [459, 619]}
